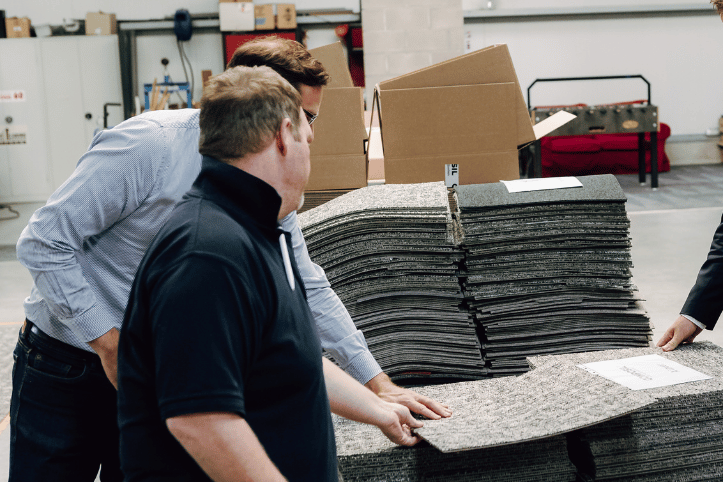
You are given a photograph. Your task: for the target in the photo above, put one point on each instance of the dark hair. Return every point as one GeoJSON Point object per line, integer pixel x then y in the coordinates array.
{"type": "Point", "coordinates": [242, 110]}
{"type": "Point", "coordinates": [718, 5]}
{"type": "Point", "coordinates": [287, 57]}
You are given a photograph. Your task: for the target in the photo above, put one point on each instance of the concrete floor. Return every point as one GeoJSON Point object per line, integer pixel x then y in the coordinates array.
{"type": "Point", "coordinates": [671, 231]}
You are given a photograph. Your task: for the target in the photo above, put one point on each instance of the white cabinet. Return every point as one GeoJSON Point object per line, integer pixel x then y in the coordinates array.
{"type": "Point", "coordinates": [52, 93]}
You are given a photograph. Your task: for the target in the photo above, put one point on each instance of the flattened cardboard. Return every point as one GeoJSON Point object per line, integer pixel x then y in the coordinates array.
{"type": "Point", "coordinates": [472, 126]}
{"type": "Point", "coordinates": [490, 65]}
{"type": "Point", "coordinates": [334, 61]}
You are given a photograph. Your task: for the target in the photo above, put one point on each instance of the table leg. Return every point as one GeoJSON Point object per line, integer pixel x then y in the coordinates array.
{"type": "Point", "coordinates": [654, 159]}
{"type": "Point", "coordinates": [537, 161]}
{"type": "Point", "coordinates": [641, 158]}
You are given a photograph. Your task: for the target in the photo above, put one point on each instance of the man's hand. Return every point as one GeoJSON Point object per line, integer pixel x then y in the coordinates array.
{"type": "Point", "coordinates": [681, 331]}
{"type": "Point", "coordinates": [398, 423]}
{"type": "Point", "coordinates": [383, 386]}
{"type": "Point", "coordinates": [106, 346]}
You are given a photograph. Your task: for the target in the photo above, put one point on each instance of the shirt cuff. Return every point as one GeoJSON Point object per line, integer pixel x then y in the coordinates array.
{"type": "Point", "coordinates": [694, 321]}
{"type": "Point", "coordinates": [88, 327]}
{"type": "Point", "coordinates": [363, 367]}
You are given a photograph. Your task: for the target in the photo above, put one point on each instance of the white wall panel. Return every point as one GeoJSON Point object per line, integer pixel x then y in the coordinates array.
{"type": "Point", "coordinates": [62, 79]}
{"type": "Point", "coordinates": [680, 56]}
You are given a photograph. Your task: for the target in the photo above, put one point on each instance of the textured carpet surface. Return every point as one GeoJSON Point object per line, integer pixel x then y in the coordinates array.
{"type": "Point", "coordinates": [678, 438]}
{"type": "Point", "coordinates": [595, 188]}
{"type": "Point", "coordinates": [541, 403]}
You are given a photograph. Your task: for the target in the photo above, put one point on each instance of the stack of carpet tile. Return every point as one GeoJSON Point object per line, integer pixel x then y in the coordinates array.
{"type": "Point", "coordinates": [502, 429]}
{"type": "Point", "coordinates": [557, 422]}
{"type": "Point", "coordinates": [314, 199]}
{"type": "Point", "coordinates": [679, 437]}
{"type": "Point", "coordinates": [365, 455]}
{"type": "Point", "coordinates": [549, 271]}
{"type": "Point", "coordinates": [390, 254]}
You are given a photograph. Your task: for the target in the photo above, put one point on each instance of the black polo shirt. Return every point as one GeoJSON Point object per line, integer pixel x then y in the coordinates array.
{"type": "Point", "coordinates": [213, 325]}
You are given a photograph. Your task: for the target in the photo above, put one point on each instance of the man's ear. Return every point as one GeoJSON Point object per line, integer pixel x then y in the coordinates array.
{"type": "Point", "coordinates": [284, 137]}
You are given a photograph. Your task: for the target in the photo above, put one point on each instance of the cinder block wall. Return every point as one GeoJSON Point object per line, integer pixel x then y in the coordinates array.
{"type": "Point", "coordinates": [402, 36]}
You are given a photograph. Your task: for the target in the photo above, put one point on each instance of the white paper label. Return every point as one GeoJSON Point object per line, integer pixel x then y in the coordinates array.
{"type": "Point", "coordinates": [12, 96]}
{"type": "Point", "coordinates": [643, 372]}
{"type": "Point", "coordinates": [451, 175]}
{"type": "Point", "coordinates": [541, 184]}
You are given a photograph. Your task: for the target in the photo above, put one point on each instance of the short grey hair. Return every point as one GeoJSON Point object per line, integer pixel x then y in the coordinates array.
{"type": "Point", "coordinates": [242, 110]}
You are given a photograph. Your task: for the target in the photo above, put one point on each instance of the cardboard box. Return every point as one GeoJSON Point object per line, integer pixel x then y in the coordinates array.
{"type": "Point", "coordinates": [236, 16]}
{"type": "Point", "coordinates": [264, 17]}
{"type": "Point", "coordinates": [17, 27]}
{"type": "Point", "coordinates": [459, 121]}
{"type": "Point", "coordinates": [285, 16]}
{"type": "Point", "coordinates": [338, 156]}
{"type": "Point", "coordinates": [99, 23]}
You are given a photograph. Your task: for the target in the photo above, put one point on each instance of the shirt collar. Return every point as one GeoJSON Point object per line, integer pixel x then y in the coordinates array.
{"type": "Point", "coordinates": [236, 190]}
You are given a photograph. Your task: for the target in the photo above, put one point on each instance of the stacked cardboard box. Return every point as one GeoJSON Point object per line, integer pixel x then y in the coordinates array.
{"type": "Point", "coordinates": [460, 121]}
{"type": "Point", "coordinates": [99, 23]}
{"type": "Point", "coordinates": [338, 158]}
{"type": "Point", "coordinates": [285, 16]}
{"type": "Point", "coordinates": [17, 27]}
{"type": "Point", "coordinates": [264, 17]}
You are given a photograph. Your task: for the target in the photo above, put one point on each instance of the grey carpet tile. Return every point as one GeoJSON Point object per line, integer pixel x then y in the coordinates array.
{"type": "Point", "coordinates": [604, 188]}
{"type": "Point", "coordinates": [403, 197]}
{"type": "Point", "coordinates": [542, 403]}
{"type": "Point", "coordinates": [705, 357]}
{"type": "Point", "coordinates": [677, 438]}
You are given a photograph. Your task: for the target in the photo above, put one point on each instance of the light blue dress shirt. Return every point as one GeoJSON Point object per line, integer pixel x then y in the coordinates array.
{"type": "Point", "coordinates": [83, 247]}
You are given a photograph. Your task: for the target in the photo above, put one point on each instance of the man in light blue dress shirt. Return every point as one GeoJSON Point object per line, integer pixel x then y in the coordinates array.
{"type": "Point", "coordinates": [82, 249]}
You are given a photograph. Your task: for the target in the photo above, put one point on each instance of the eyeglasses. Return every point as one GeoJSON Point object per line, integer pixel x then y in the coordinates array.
{"type": "Point", "coordinates": [309, 116]}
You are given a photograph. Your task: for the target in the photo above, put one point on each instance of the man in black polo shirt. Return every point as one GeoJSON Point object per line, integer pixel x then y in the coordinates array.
{"type": "Point", "coordinates": [220, 369]}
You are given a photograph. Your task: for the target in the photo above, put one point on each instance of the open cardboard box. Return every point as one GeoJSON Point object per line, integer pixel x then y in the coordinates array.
{"type": "Point", "coordinates": [338, 155]}
{"type": "Point", "coordinates": [461, 121]}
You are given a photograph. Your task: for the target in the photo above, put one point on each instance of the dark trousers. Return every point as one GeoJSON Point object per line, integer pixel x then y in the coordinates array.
{"type": "Point", "coordinates": [63, 420]}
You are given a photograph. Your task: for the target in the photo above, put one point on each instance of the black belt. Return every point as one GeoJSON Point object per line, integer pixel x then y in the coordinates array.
{"type": "Point", "coordinates": [57, 348]}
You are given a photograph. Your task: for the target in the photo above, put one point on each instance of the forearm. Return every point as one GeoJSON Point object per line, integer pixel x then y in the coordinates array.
{"type": "Point", "coordinates": [350, 399]}
{"type": "Point", "coordinates": [106, 346]}
{"type": "Point", "coordinates": [337, 332]}
{"type": "Point", "coordinates": [224, 446]}
{"type": "Point", "coordinates": [340, 337]}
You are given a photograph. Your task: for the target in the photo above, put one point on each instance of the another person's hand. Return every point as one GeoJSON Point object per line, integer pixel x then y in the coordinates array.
{"type": "Point", "coordinates": [106, 346]}
{"type": "Point", "coordinates": [681, 331]}
{"type": "Point", "coordinates": [397, 424]}
{"type": "Point", "coordinates": [383, 386]}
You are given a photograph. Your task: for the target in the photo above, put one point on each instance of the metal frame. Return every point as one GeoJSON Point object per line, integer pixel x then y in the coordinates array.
{"type": "Point", "coordinates": [537, 160]}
